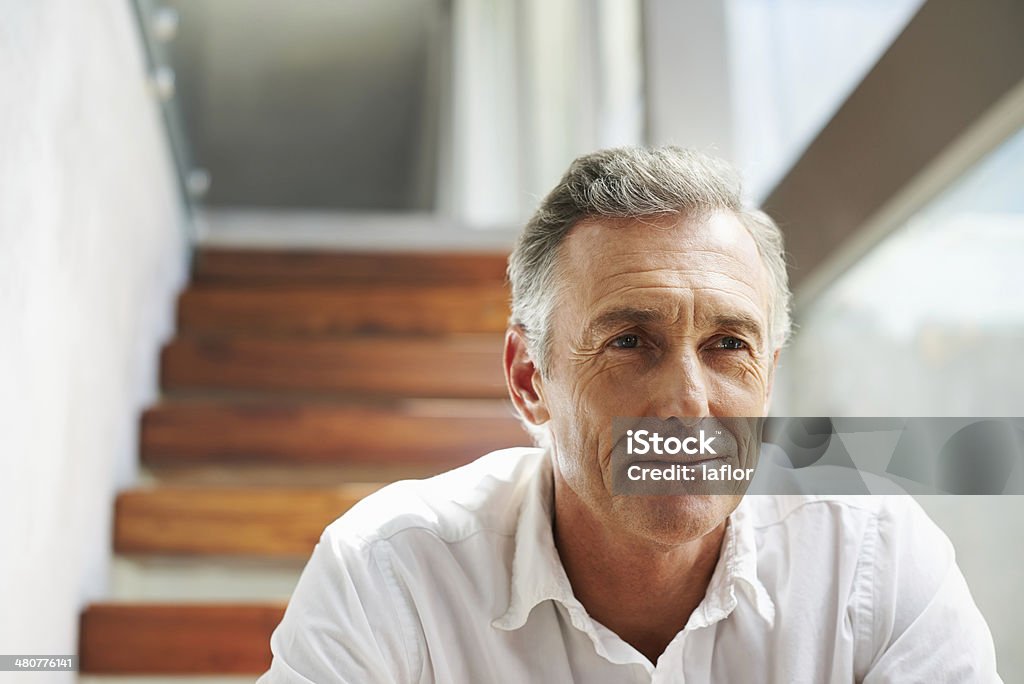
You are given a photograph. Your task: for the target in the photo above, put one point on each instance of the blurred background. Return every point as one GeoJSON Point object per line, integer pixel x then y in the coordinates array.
{"type": "Point", "coordinates": [252, 253]}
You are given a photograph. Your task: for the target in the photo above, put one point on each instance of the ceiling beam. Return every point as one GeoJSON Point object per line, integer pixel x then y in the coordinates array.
{"type": "Point", "coordinates": [954, 61]}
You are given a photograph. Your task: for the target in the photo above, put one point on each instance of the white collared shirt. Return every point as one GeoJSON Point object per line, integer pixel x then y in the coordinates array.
{"type": "Point", "coordinates": [457, 579]}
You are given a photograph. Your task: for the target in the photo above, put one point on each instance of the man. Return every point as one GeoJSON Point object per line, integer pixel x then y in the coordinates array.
{"type": "Point", "coordinates": [640, 288]}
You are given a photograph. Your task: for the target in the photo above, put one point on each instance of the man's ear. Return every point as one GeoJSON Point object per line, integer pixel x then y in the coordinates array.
{"type": "Point", "coordinates": [523, 378]}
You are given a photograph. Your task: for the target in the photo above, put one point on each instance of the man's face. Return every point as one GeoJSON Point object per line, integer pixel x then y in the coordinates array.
{"type": "Point", "coordinates": [662, 318]}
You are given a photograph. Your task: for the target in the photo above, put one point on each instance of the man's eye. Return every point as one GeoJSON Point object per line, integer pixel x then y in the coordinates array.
{"type": "Point", "coordinates": [626, 342]}
{"type": "Point", "coordinates": [733, 343]}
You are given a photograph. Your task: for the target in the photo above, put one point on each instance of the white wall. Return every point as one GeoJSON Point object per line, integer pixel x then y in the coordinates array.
{"type": "Point", "coordinates": [92, 251]}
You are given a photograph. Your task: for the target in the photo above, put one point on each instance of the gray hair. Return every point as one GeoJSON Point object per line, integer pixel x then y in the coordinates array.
{"type": "Point", "coordinates": [633, 183]}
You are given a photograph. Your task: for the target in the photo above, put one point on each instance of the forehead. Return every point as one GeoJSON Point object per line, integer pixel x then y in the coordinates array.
{"type": "Point", "coordinates": [698, 260]}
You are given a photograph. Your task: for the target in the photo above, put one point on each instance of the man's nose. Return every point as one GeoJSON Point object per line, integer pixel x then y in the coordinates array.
{"type": "Point", "coordinates": [682, 389]}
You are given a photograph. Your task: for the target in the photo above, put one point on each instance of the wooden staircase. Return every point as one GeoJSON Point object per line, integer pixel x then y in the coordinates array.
{"type": "Point", "coordinates": [298, 383]}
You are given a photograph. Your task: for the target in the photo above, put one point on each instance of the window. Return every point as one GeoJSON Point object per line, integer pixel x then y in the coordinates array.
{"type": "Point", "coordinates": [792, 64]}
{"type": "Point", "coordinates": [930, 322]}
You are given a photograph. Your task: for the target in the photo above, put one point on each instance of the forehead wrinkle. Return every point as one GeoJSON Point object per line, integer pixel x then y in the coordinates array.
{"type": "Point", "coordinates": [636, 315]}
{"type": "Point", "coordinates": [732, 271]}
{"type": "Point", "coordinates": [702, 236]}
{"type": "Point", "coordinates": [746, 296]}
{"type": "Point", "coordinates": [683, 267]}
{"type": "Point", "coordinates": [627, 295]}
{"type": "Point", "coordinates": [751, 273]}
{"type": "Point", "coordinates": [703, 313]}
{"type": "Point", "coordinates": [745, 289]}
{"type": "Point", "coordinates": [687, 268]}
{"type": "Point", "coordinates": [755, 318]}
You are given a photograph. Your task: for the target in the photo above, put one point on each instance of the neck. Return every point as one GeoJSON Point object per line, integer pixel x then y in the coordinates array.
{"type": "Point", "coordinates": [641, 590]}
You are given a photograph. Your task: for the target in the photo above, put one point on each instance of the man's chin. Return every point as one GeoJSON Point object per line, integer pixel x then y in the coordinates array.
{"type": "Point", "coordinates": [672, 520]}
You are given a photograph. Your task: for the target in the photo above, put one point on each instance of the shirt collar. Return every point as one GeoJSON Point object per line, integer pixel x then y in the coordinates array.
{"type": "Point", "coordinates": [736, 569]}
{"type": "Point", "coordinates": [537, 572]}
{"type": "Point", "coordinates": [538, 575]}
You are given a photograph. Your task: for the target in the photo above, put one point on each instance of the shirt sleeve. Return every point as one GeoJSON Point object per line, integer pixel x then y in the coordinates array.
{"type": "Point", "coordinates": [341, 624]}
{"type": "Point", "coordinates": [919, 618]}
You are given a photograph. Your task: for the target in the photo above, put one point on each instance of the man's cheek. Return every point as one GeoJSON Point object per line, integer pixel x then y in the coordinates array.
{"type": "Point", "coordinates": [745, 375]}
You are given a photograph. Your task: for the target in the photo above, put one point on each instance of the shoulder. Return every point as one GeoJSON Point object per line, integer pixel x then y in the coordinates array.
{"type": "Point", "coordinates": [891, 571]}
{"type": "Point", "coordinates": [878, 545]}
{"type": "Point", "coordinates": [885, 514]}
{"type": "Point", "coordinates": [354, 611]}
{"type": "Point", "coordinates": [484, 495]}
{"type": "Point", "coordinates": [881, 551]}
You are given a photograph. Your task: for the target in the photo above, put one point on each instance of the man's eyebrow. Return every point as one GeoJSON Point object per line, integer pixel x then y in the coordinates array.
{"type": "Point", "coordinates": [739, 321]}
{"type": "Point", "coordinates": [626, 315]}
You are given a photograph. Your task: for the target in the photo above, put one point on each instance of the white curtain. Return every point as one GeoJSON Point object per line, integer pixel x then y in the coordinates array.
{"type": "Point", "coordinates": [535, 84]}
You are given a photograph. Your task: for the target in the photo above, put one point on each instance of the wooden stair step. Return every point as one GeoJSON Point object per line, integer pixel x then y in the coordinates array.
{"type": "Point", "coordinates": [400, 309]}
{"type": "Point", "coordinates": [170, 639]}
{"type": "Point", "coordinates": [279, 432]}
{"type": "Point", "coordinates": [457, 367]}
{"type": "Point", "coordinates": [229, 521]}
{"type": "Point", "coordinates": [222, 265]}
